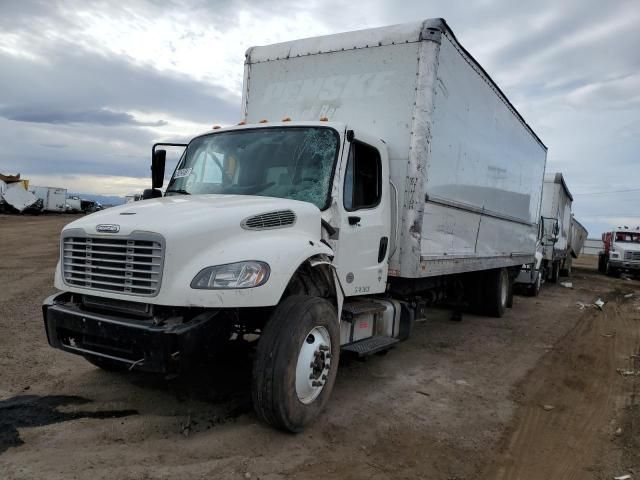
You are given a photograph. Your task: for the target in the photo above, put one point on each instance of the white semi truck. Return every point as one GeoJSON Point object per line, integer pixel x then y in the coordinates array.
{"type": "Point", "coordinates": [553, 255]}
{"type": "Point", "coordinates": [373, 172]}
{"type": "Point", "coordinates": [556, 225]}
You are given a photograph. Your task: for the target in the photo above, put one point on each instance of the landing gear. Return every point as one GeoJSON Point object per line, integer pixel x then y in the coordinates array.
{"type": "Point", "coordinates": [296, 362]}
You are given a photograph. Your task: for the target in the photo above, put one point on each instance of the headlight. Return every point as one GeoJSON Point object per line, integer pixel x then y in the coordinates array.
{"type": "Point", "coordinates": [233, 275]}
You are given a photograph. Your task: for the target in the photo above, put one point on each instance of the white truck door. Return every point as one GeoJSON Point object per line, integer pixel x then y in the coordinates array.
{"type": "Point", "coordinates": [365, 219]}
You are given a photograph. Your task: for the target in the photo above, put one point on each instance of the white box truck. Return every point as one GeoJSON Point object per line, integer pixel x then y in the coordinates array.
{"type": "Point", "coordinates": [553, 256]}
{"type": "Point", "coordinates": [556, 224]}
{"type": "Point", "coordinates": [53, 199]}
{"type": "Point", "coordinates": [373, 172]}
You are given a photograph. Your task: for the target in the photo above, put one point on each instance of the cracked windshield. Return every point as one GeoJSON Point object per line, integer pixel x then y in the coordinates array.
{"type": "Point", "coordinates": [292, 162]}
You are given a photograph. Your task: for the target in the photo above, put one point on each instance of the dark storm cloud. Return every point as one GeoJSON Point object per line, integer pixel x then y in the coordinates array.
{"type": "Point", "coordinates": [97, 117]}
{"type": "Point", "coordinates": [75, 80]}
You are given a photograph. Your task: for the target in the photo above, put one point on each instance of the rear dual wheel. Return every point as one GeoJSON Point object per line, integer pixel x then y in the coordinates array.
{"type": "Point", "coordinates": [296, 362]}
{"type": "Point", "coordinates": [491, 292]}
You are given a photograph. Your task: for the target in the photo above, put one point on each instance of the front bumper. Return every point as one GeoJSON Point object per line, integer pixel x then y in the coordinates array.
{"type": "Point", "coordinates": [625, 264]}
{"type": "Point", "coordinates": [138, 344]}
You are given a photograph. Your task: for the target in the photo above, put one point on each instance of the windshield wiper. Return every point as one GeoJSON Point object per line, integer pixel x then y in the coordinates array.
{"type": "Point", "coordinates": [180, 190]}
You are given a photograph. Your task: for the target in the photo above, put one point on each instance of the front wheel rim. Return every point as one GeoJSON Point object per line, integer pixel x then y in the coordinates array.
{"type": "Point", "coordinates": [314, 362]}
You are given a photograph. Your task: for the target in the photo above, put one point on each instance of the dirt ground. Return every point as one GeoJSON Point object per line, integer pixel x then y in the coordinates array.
{"type": "Point", "coordinates": [538, 394]}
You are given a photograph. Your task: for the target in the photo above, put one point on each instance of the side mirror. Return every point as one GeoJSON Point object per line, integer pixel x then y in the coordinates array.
{"type": "Point", "coordinates": [158, 160]}
{"type": "Point", "coordinates": [151, 193]}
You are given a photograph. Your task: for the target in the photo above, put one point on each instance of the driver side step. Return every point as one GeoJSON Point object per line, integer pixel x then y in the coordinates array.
{"type": "Point", "coordinates": [369, 346]}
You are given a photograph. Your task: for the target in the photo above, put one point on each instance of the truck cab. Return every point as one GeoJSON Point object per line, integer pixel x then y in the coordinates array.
{"type": "Point", "coordinates": [262, 229]}
{"type": "Point", "coordinates": [621, 251]}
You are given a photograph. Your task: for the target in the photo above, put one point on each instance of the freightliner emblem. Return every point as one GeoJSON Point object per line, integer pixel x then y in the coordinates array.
{"type": "Point", "coordinates": [108, 228]}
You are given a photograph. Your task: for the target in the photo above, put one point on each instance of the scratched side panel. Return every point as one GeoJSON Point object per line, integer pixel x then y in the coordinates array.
{"type": "Point", "coordinates": [448, 232]}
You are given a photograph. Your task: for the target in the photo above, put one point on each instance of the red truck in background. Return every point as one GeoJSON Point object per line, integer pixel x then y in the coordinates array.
{"type": "Point", "coordinates": [621, 251]}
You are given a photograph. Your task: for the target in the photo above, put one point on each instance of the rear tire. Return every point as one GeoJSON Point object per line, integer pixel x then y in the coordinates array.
{"type": "Point", "coordinates": [496, 292]}
{"type": "Point", "coordinates": [285, 392]}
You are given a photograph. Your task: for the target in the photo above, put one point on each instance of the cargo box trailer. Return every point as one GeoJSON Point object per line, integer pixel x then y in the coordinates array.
{"type": "Point", "coordinates": [553, 257]}
{"type": "Point", "coordinates": [373, 172]}
{"type": "Point", "coordinates": [577, 236]}
{"type": "Point", "coordinates": [556, 224]}
{"type": "Point", "coordinates": [53, 199]}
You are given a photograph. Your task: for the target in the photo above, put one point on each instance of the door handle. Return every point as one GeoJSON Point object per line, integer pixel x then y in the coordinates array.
{"type": "Point", "coordinates": [354, 220]}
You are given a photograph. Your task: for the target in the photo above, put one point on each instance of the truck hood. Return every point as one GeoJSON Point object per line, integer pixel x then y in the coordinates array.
{"type": "Point", "coordinates": [180, 215]}
{"type": "Point", "coordinates": [627, 247]}
{"type": "Point", "coordinates": [201, 231]}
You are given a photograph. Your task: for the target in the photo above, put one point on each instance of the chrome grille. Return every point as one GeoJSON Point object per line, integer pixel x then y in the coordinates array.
{"type": "Point", "coordinates": [635, 255]}
{"type": "Point", "coordinates": [269, 220]}
{"type": "Point", "coordinates": [130, 265]}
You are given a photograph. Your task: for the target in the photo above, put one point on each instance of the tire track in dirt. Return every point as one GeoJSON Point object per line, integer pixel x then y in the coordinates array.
{"type": "Point", "coordinates": [579, 379]}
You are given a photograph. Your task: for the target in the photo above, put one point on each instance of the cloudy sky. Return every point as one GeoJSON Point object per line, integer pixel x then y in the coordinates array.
{"type": "Point", "coordinates": [87, 87]}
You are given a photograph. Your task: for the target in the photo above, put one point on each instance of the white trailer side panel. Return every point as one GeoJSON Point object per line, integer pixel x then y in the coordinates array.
{"type": "Point", "coordinates": [577, 238]}
{"type": "Point", "coordinates": [484, 161]}
{"type": "Point", "coordinates": [450, 133]}
{"type": "Point", "coordinates": [53, 199]}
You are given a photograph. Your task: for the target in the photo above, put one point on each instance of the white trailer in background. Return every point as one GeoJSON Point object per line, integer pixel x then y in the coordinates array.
{"type": "Point", "coordinates": [556, 225]}
{"type": "Point", "coordinates": [53, 199]}
{"type": "Point", "coordinates": [373, 172]}
{"type": "Point", "coordinates": [577, 237]}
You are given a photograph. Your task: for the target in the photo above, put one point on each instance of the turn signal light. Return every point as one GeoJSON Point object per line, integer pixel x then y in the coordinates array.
{"type": "Point", "coordinates": [324, 119]}
{"type": "Point", "coordinates": [264, 120]}
{"type": "Point", "coordinates": [242, 122]}
{"type": "Point", "coordinates": [286, 119]}
{"type": "Point", "coordinates": [216, 127]}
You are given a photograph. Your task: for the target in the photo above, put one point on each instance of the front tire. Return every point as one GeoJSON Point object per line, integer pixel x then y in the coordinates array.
{"type": "Point", "coordinates": [612, 271]}
{"type": "Point", "coordinates": [602, 263]}
{"type": "Point", "coordinates": [296, 362]}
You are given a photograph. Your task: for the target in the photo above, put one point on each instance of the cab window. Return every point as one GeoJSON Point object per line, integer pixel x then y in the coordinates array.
{"type": "Point", "coordinates": [363, 177]}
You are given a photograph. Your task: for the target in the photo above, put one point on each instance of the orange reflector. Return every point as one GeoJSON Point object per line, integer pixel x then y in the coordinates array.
{"type": "Point", "coordinates": [286, 119]}
{"type": "Point", "coordinates": [324, 119]}
{"type": "Point", "coordinates": [216, 127]}
{"type": "Point", "coordinates": [242, 122]}
{"type": "Point", "coordinates": [264, 120]}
